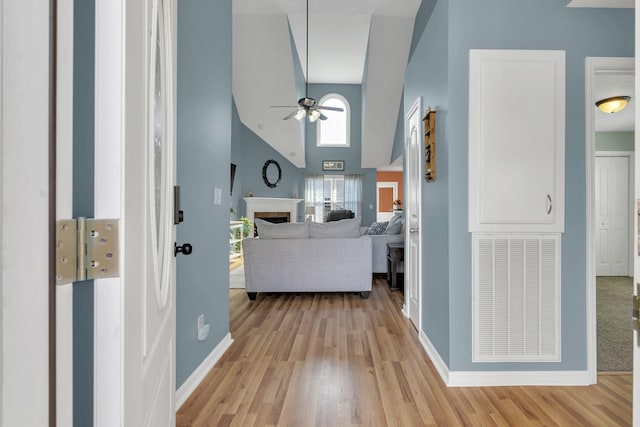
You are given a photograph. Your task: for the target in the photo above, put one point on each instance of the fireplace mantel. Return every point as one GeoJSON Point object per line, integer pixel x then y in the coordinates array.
{"type": "Point", "coordinates": [271, 204]}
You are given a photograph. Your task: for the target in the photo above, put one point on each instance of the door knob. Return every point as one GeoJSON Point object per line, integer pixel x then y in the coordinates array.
{"type": "Point", "coordinates": [413, 230]}
{"type": "Point", "coordinates": [185, 249]}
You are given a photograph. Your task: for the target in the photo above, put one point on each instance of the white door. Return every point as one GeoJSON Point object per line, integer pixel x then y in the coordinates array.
{"type": "Point", "coordinates": [612, 216]}
{"type": "Point", "coordinates": [135, 173]}
{"type": "Point", "coordinates": [413, 216]}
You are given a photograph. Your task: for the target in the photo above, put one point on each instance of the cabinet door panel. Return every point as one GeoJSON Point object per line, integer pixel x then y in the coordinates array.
{"type": "Point", "coordinates": [516, 141]}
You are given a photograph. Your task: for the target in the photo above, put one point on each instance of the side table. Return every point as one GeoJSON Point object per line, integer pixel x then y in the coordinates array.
{"type": "Point", "coordinates": [395, 255]}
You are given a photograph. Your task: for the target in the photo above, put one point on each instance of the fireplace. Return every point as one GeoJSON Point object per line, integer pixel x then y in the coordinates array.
{"type": "Point", "coordinates": [272, 209]}
{"type": "Point", "coordinates": [274, 217]}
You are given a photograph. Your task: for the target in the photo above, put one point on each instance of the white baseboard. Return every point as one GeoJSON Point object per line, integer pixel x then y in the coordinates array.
{"type": "Point", "coordinates": [518, 378]}
{"type": "Point", "coordinates": [502, 378]}
{"type": "Point", "coordinates": [191, 383]}
{"type": "Point", "coordinates": [437, 361]}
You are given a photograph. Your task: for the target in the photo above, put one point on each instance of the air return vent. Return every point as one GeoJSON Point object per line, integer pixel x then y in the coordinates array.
{"type": "Point", "coordinates": [516, 298]}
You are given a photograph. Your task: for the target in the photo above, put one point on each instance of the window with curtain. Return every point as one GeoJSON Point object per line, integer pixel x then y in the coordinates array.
{"type": "Point", "coordinates": [335, 131]}
{"type": "Point", "coordinates": [324, 193]}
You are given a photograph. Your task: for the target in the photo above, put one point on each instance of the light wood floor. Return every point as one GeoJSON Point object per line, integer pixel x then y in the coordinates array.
{"type": "Point", "coordinates": [338, 360]}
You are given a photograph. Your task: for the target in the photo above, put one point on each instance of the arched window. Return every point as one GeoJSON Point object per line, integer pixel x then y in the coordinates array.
{"type": "Point", "coordinates": [335, 131]}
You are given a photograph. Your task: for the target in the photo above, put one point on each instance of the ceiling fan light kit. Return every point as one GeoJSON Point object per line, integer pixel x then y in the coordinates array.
{"type": "Point", "coordinates": [613, 104]}
{"type": "Point", "coordinates": [307, 106]}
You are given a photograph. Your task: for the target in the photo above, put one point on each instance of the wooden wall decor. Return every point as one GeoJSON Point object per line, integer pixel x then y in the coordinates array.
{"type": "Point", "coordinates": [429, 145]}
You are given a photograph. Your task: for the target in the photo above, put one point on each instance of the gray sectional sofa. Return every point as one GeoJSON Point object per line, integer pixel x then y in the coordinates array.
{"type": "Point", "coordinates": [381, 233]}
{"type": "Point", "coordinates": [308, 257]}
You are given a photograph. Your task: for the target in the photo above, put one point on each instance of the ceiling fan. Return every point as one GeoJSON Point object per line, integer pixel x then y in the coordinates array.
{"type": "Point", "coordinates": [307, 107]}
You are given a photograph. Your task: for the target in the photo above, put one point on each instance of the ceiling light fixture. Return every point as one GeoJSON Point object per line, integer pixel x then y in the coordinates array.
{"type": "Point", "coordinates": [307, 107]}
{"type": "Point", "coordinates": [613, 104]}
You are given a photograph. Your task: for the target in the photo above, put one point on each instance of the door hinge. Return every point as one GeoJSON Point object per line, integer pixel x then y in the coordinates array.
{"type": "Point", "coordinates": [86, 249]}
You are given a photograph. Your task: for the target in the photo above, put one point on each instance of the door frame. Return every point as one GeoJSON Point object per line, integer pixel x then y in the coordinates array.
{"type": "Point", "coordinates": [593, 66]}
{"type": "Point", "coordinates": [408, 186]}
{"type": "Point", "coordinates": [24, 293]}
{"type": "Point", "coordinates": [630, 155]}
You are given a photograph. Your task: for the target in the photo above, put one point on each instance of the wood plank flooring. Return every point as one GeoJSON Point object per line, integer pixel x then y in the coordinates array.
{"type": "Point", "coordinates": [338, 360]}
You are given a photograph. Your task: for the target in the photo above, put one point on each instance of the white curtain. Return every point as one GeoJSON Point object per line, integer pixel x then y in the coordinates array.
{"type": "Point", "coordinates": [314, 195]}
{"type": "Point", "coordinates": [353, 193]}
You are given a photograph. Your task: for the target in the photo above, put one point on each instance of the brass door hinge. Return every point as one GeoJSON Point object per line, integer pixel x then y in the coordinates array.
{"type": "Point", "coordinates": [86, 249]}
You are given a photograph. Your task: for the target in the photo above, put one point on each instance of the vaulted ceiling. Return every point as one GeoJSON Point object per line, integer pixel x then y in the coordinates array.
{"type": "Point", "coordinates": [343, 37]}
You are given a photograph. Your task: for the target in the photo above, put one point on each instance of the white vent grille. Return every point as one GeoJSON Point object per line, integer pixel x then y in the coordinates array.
{"type": "Point", "coordinates": [516, 297]}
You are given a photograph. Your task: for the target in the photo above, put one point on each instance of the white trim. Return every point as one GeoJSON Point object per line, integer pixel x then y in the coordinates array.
{"type": "Point", "coordinates": [518, 378]}
{"type": "Point", "coordinates": [64, 209]}
{"type": "Point", "coordinates": [501, 378]}
{"type": "Point", "coordinates": [436, 359]}
{"type": "Point", "coordinates": [630, 155]}
{"type": "Point", "coordinates": [109, 105]}
{"type": "Point", "coordinates": [610, 4]}
{"type": "Point", "coordinates": [24, 132]}
{"type": "Point", "coordinates": [196, 377]}
{"type": "Point", "coordinates": [594, 66]}
{"type": "Point", "coordinates": [347, 111]}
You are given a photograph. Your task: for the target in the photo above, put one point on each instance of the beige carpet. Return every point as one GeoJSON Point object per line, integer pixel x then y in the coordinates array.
{"type": "Point", "coordinates": [615, 332]}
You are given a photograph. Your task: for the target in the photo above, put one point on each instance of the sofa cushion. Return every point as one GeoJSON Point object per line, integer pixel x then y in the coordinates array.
{"type": "Point", "coordinates": [342, 228]}
{"type": "Point", "coordinates": [285, 230]}
{"type": "Point", "coordinates": [377, 228]}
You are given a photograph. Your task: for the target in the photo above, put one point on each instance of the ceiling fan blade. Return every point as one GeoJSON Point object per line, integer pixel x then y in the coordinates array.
{"type": "Point", "coordinates": [320, 107]}
{"type": "Point", "coordinates": [283, 106]}
{"type": "Point", "coordinates": [323, 117]}
{"type": "Point", "coordinates": [288, 116]}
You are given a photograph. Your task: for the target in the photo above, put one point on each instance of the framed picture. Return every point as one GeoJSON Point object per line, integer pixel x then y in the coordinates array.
{"type": "Point", "coordinates": [333, 165]}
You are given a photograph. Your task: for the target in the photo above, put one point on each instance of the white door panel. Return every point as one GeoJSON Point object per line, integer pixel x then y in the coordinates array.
{"type": "Point", "coordinates": [612, 215]}
{"type": "Point", "coordinates": [135, 317]}
{"type": "Point", "coordinates": [413, 214]}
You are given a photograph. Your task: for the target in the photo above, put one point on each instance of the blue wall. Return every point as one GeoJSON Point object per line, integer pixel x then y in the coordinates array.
{"type": "Point", "coordinates": [204, 108]}
{"type": "Point", "coordinates": [398, 140]}
{"type": "Point", "coordinates": [83, 172]}
{"type": "Point", "coordinates": [250, 152]}
{"type": "Point", "coordinates": [504, 24]}
{"type": "Point", "coordinates": [431, 59]}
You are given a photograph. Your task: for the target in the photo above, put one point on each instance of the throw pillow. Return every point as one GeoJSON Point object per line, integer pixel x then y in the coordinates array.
{"type": "Point", "coordinates": [395, 228]}
{"type": "Point", "coordinates": [395, 225]}
{"type": "Point", "coordinates": [377, 228]}
{"type": "Point", "coordinates": [285, 230]}
{"type": "Point", "coordinates": [343, 228]}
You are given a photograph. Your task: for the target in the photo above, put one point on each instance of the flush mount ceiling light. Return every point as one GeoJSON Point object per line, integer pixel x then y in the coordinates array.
{"type": "Point", "coordinates": [613, 104]}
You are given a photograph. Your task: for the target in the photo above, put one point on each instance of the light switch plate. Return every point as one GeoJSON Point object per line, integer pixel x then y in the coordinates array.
{"type": "Point", "coordinates": [217, 196]}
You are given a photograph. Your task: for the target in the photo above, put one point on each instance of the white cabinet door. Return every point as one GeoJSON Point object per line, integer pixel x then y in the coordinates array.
{"type": "Point", "coordinates": [516, 140]}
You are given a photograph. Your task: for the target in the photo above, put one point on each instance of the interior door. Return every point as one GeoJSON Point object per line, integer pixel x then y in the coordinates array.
{"type": "Point", "coordinates": [413, 215]}
{"type": "Point", "coordinates": [135, 174]}
{"type": "Point", "coordinates": [612, 215]}
{"type": "Point", "coordinates": [387, 192]}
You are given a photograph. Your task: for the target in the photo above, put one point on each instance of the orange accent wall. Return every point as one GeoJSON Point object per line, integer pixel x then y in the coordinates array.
{"type": "Point", "coordinates": [389, 177]}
